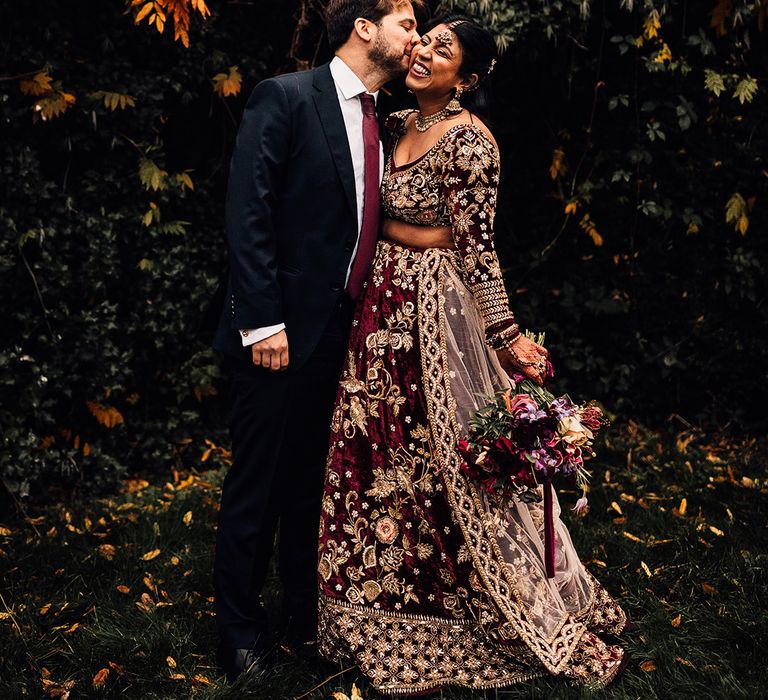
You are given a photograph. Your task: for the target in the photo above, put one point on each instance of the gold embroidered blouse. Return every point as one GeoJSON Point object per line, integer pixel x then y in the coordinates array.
{"type": "Point", "coordinates": [454, 184]}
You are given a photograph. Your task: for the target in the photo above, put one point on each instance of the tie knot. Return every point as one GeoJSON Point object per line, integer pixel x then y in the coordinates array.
{"type": "Point", "coordinates": [368, 104]}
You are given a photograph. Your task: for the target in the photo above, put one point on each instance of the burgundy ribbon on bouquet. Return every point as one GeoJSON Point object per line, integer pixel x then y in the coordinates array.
{"type": "Point", "coordinates": [549, 531]}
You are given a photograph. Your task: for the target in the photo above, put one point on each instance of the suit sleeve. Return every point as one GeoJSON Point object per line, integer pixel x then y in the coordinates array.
{"type": "Point", "coordinates": [469, 186]}
{"type": "Point", "coordinates": [260, 155]}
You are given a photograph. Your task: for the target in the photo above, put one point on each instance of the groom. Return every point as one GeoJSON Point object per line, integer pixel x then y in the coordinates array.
{"type": "Point", "coordinates": [302, 218]}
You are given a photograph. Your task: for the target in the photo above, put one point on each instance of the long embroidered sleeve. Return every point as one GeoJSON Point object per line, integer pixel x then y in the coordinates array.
{"type": "Point", "coordinates": [469, 187]}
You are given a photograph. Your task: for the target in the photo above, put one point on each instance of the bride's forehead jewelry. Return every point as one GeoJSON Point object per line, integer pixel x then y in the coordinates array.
{"type": "Point", "coordinates": [446, 37]}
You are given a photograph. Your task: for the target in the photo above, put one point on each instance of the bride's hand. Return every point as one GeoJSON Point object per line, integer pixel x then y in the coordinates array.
{"type": "Point", "coordinates": [526, 357]}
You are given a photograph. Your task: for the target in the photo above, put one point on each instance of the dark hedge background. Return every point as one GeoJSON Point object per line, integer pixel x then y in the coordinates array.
{"type": "Point", "coordinates": [606, 139]}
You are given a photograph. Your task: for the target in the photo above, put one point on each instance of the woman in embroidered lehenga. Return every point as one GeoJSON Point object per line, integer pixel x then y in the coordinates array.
{"type": "Point", "coordinates": [425, 580]}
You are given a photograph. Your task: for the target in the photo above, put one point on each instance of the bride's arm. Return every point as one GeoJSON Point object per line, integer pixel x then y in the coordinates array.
{"type": "Point", "coordinates": [470, 185]}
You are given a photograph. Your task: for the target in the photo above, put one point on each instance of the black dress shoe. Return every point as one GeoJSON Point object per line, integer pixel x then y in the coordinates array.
{"type": "Point", "coordinates": [235, 662]}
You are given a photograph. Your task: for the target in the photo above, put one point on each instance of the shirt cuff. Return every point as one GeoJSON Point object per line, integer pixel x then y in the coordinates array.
{"type": "Point", "coordinates": [255, 335]}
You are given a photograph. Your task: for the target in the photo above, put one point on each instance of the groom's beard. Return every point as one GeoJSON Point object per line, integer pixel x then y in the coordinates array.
{"type": "Point", "coordinates": [386, 60]}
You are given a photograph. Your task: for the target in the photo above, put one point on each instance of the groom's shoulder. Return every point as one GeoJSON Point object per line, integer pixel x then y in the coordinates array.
{"type": "Point", "coordinates": [298, 83]}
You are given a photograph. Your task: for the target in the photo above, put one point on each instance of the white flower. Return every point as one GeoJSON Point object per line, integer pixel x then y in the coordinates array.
{"type": "Point", "coordinates": [581, 506]}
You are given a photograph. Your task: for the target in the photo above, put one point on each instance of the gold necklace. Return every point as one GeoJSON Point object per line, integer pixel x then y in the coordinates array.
{"type": "Point", "coordinates": [453, 107]}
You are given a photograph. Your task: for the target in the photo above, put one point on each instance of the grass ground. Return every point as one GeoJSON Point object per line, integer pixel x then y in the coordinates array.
{"type": "Point", "coordinates": [111, 598]}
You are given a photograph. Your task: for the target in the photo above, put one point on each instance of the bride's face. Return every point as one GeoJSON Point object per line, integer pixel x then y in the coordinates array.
{"type": "Point", "coordinates": [435, 62]}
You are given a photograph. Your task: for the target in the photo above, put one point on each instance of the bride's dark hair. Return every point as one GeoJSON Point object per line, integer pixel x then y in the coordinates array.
{"type": "Point", "coordinates": [478, 53]}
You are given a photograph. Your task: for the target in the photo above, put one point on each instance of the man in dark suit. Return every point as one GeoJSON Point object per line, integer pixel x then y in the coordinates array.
{"type": "Point", "coordinates": [302, 216]}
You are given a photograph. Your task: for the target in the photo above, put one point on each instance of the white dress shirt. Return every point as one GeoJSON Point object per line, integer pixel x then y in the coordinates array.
{"type": "Point", "coordinates": [348, 89]}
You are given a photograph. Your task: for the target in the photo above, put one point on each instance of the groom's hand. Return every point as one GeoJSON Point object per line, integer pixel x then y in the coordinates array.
{"type": "Point", "coordinates": [271, 353]}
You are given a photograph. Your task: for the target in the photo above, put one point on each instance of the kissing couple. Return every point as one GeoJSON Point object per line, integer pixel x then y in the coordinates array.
{"type": "Point", "coordinates": [365, 318]}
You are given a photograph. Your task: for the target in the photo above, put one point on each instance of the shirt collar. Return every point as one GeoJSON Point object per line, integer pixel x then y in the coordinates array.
{"type": "Point", "coordinates": [346, 81]}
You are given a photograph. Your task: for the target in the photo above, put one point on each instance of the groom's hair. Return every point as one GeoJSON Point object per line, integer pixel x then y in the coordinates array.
{"type": "Point", "coordinates": [340, 16]}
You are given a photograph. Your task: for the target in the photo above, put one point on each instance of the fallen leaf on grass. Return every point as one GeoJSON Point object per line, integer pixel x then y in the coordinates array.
{"type": "Point", "coordinates": [171, 662]}
{"type": "Point", "coordinates": [45, 608]}
{"type": "Point", "coordinates": [676, 621]}
{"type": "Point", "coordinates": [150, 555]}
{"type": "Point", "coordinates": [5, 532]}
{"type": "Point", "coordinates": [648, 666]}
{"type": "Point", "coordinates": [187, 517]}
{"type": "Point", "coordinates": [177, 677]}
{"type": "Point", "coordinates": [5, 616]}
{"type": "Point", "coordinates": [201, 680]}
{"type": "Point", "coordinates": [72, 628]}
{"type": "Point", "coordinates": [716, 531]}
{"type": "Point", "coordinates": [683, 661]}
{"type": "Point", "coordinates": [680, 510]}
{"type": "Point", "coordinates": [58, 690]}
{"type": "Point", "coordinates": [100, 678]}
{"type": "Point", "coordinates": [632, 537]}
{"type": "Point", "coordinates": [616, 507]}
{"type": "Point", "coordinates": [646, 569]}
{"type": "Point", "coordinates": [123, 589]}
{"type": "Point", "coordinates": [117, 668]}
{"type": "Point", "coordinates": [107, 551]}
{"type": "Point", "coordinates": [709, 590]}
{"type": "Point", "coordinates": [338, 695]}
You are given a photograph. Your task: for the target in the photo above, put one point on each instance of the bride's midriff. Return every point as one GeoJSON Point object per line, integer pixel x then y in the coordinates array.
{"type": "Point", "coordinates": [417, 236]}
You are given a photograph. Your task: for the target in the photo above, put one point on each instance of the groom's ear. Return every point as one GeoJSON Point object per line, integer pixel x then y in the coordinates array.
{"type": "Point", "coordinates": [363, 29]}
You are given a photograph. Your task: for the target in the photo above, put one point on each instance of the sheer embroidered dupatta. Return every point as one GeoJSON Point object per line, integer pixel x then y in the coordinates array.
{"type": "Point", "coordinates": [505, 540]}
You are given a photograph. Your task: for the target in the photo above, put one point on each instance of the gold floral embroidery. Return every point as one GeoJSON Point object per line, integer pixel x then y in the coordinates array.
{"type": "Point", "coordinates": [404, 654]}
{"type": "Point", "coordinates": [454, 184]}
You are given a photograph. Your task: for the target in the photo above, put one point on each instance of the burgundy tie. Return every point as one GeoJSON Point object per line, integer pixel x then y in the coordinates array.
{"type": "Point", "coordinates": [370, 227]}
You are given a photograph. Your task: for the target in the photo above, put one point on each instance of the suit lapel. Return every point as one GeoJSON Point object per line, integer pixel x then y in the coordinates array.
{"type": "Point", "coordinates": [329, 110]}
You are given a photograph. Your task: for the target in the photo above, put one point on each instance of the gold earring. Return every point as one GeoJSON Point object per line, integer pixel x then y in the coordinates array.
{"type": "Point", "coordinates": [454, 106]}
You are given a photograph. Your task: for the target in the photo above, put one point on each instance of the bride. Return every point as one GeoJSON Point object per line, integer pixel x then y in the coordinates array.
{"type": "Point", "coordinates": [426, 581]}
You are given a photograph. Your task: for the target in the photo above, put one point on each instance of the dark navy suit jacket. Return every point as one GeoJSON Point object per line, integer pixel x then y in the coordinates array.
{"type": "Point", "coordinates": [291, 214]}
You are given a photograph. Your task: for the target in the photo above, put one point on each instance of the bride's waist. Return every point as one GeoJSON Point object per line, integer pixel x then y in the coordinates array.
{"type": "Point", "coordinates": [415, 236]}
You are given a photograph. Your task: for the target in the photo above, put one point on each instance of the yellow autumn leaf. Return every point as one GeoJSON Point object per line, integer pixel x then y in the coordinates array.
{"type": "Point", "coordinates": [171, 662]}
{"type": "Point", "coordinates": [5, 532]}
{"type": "Point", "coordinates": [651, 25]}
{"type": "Point", "coordinates": [558, 165]}
{"type": "Point", "coordinates": [665, 54]}
{"type": "Point", "coordinates": [149, 556]}
{"type": "Point", "coordinates": [648, 666]}
{"type": "Point", "coordinates": [571, 207]}
{"type": "Point", "coordinates": [227, 84]}
{"type": "Point", "coordinates": [683, 506]}
{"type": "Point", "coordinates": [143, 12]}
{"type": "Point", "coordinates": [646, 569]}
{"type": "Point", "coordinates": [187, 519]}
{"type": "Point", "coordinates": [122, 589]}
{"type": "Point", "coordinates": [107, 551]}
{"type": "Point", "coordinates": [39, 84]}
{"type": "Point", "coordinates": [675, 622]}
{"type": "Point", "coordinates": [5, 616]}
{"type": "Point", "coordinates": [44, 609]}
{"type": "Point", "coordinates": [52, 105]}
{"type": "Point", "coordinates": [743, 224]}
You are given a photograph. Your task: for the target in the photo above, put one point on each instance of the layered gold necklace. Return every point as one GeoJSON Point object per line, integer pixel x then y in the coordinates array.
{"type": "Point", "coordinates": [452, 108]}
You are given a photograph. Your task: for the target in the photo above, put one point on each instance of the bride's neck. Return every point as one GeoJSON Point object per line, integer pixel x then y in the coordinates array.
{"type": "Point", "coordinates": [431, 105]}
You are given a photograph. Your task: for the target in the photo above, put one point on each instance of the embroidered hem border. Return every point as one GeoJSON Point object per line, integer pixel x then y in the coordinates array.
{"type": "Point", "coordinates": [406, 654]}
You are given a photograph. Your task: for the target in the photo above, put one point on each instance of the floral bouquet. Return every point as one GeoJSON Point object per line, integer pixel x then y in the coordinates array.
{"type": "Point", "coordinates": [525, 437]}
